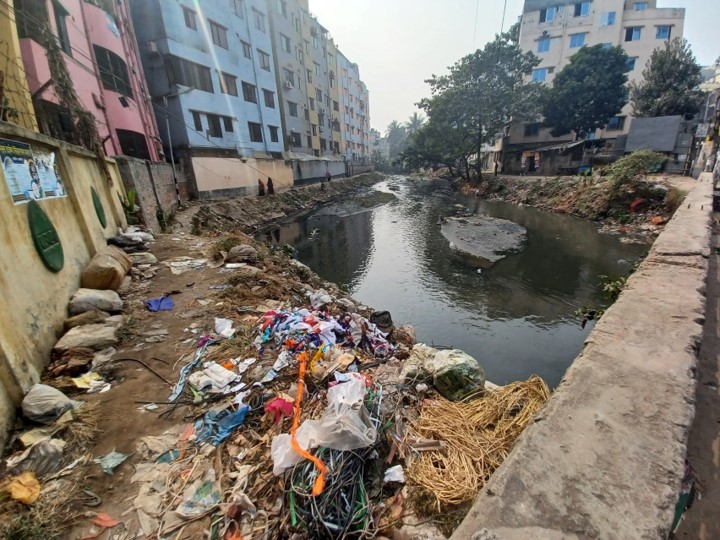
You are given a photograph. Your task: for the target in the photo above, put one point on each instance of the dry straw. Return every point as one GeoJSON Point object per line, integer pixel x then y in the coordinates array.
{"type": "Point", "coordinates": [479, 435]}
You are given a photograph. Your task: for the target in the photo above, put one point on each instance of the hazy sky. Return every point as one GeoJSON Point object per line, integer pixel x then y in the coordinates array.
{"type": "Point", "coordinates": [400, 43]}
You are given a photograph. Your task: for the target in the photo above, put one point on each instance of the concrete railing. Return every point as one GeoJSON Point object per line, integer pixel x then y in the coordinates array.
{"type": "Point", "coordinates": [605, 457]}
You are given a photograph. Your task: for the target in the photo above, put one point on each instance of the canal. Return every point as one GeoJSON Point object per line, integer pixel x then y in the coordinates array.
{"type": "Point", "coordinates": [516, 318]}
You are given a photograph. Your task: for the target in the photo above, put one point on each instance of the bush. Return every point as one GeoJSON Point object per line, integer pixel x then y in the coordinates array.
{"type": "Point", "coordinates": [632, 167]}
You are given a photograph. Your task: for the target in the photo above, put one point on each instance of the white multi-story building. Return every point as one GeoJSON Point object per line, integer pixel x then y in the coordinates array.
{"type": "Point", "coordinates": [354, 112]}
{"type": "Point", "coordinates": [554, 30]}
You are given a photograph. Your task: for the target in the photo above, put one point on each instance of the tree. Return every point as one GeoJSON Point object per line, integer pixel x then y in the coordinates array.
{"type": "Point", "coordinates": [396, 135]}
{"type": "Point", "coordinates": [414, 123]}
{"type": "Point", "coordinates": [587, 92]}
{"type": "Point", "coordinates": [473, 103]}
{"type": "Point", "coordinates": [669, 86]}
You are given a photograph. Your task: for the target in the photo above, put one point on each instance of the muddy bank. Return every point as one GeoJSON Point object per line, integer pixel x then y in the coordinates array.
{"type": "Point", "coordinates": [638, 210]}
{"type": "Point", "coordinates": [247, 214]}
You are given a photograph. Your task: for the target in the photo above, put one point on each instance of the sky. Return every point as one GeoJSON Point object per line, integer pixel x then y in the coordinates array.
{"type": "Point", "coordinates": [399, 43]}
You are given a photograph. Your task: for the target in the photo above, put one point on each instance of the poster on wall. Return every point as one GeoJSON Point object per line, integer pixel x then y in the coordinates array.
{"type": "Point", "coordinates": [30, 176]}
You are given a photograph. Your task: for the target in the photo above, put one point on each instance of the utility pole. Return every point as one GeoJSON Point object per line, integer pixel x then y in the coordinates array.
{"type": "Point", "coordinates": [169, 137]}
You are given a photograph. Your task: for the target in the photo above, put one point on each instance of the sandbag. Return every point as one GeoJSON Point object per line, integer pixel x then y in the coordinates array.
{"type": "Point", "coordinates": [45, 404]}
{"type": "Point", "coordinates": [106, 270]}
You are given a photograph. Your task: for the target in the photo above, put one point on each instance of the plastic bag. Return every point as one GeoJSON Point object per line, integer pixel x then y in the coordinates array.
{"type": "Point", "coordinates": [223, 327]}
{"type": "Point", "coordinates": [43, 457]}
{"type": "Point", "coordinates": [201, 497]}
{"type": "Point", "coordinates": [320, 298]}
{"type": "Point", "coordinates": [45, 404]}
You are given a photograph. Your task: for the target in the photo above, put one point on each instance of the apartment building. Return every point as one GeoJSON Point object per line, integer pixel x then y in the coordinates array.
{"type": "Point", "coordinates": [355, 117]}
{"type": "Point", "coordinates": [101, 55]}
{"type": "Point", "coordinates": [555, 30]}
{"type": "Point", "coordinates": [211, 74]}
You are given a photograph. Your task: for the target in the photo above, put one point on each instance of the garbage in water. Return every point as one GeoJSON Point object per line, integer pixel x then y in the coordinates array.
{"type": "Point", "coordinates": [110, 461]}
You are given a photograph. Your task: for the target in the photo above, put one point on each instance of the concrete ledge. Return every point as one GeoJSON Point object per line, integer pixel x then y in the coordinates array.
{"type": "Point", "coordinates": [605, 457]}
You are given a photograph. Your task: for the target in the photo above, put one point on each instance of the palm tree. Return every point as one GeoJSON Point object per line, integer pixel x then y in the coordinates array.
{"type": "Point", "coordinates": [414, 123]}
{"type": "Point", "coordinates": [396, 135]}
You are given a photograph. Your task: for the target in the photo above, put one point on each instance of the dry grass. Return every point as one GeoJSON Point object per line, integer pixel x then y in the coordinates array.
{"type": "Point", "coordinates": [479, 435]}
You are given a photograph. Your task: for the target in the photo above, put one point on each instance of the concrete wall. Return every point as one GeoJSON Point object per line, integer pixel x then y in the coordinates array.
{"type": "Point", "coordinates": [33, 303]}
{"type": "Point", "coordinates": [605, 457]}
{"type": "Point", "coordinates": [226, 177]}
{"type": "Point", "coordinates": [304, 171]}
{"type": "Point", "coordinates": [154, 186]}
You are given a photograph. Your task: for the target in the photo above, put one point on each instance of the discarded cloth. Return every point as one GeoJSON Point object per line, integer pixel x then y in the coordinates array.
{"type": "Point", "coordinates": [24, 488]}
{"type": "Point", "coordinates": [279, 407]}
{"type": "Point", "coordinates": [216, 426]}
{"type": "Point", "coordinates": [110, 461]}
{"type": "Point", "coordinates": [164, 303]}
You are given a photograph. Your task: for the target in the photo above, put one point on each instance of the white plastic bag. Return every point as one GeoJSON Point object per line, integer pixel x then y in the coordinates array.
{"type": "Point", "coordinates": [45, 404]}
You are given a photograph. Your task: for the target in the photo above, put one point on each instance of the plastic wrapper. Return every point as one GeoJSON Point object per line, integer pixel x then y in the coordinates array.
{"type": "Point", "coordinates": [45, 404]}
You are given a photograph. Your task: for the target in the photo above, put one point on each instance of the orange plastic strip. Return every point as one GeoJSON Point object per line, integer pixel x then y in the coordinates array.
{"type": "Point", "coordinates": [319, 485]}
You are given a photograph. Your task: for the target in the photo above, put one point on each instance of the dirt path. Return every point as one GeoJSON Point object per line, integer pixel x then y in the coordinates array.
{"type": "Point", "coordinates": [702, 521]}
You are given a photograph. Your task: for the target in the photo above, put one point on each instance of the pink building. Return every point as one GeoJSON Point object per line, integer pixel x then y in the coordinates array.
{"type": "Point", "coordinates": [102, 57]}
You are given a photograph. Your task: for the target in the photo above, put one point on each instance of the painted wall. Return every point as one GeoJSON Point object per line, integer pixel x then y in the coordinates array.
{"type": "Point", "coordinates": [304, 171]}
{"type": "Point", "coordinates": [225, 177]}
{"type": "Point", "coordinates": [33, 303]}
{"type": "Point", "coordinates": [88, 25]}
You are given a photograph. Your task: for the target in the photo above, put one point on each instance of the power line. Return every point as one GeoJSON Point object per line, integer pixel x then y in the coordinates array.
{"type": "Point", "coordinates": [477, 12]}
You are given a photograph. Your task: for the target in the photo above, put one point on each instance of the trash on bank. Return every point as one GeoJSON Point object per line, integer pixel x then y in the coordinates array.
{"type": "Point", "coordinates": [42, 458]}
{"type": "Point", "coordinates": [164, 303]}
{"type": "Point", "coordinates": [216, 426]}
{"type": "Point", "coordinates": [201, 497]}
{"type": "Point", "coordinates": [23, 488]}
{"type": "Point", "coordinates": [394, 474]}
{"type": "Point", "coordinates": [110, 461]}
{"type": "Point", "coordinates": [44, 404]}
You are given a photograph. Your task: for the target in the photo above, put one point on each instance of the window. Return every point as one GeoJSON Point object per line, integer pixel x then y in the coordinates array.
{"type": "Point", "coordinates": [289, 76]}
{"type": "Point", "coordinates": [259, 20]}
{"type": "Point", "coordinates": [663, 32]}
{"type": "Point", "coordinates": [318, 96]}
{"type": "Point", "coordinates": [295, 139]}
{"type": "Point", "coordinates": [282, 9]}
{"type": "Point", "coordinates": [616, 123]}
{"type": "Point", "coordinates": [633, 33]}
{"type": "Point", "coordinates": [285, 43]}
{"type": "Point", "coordinates": [607, 18]}
{"type": "Point", "coordinates": [336, 106]}
{"type": "Point", "coordinates": [307, 114]}
{"type": "Point", "coordinates": [582, 9]}
{"type": "Point", "coordinates": [269, 98]}
{"type": "Point", "coordinates": [315, 41]}
{"type": "Point", "coordinates": [255, 132]}
{"type": "Point", "coordinates": [188, 73]}
{"type": "Point", "coordinates": [190, 18]}
{"type": "Point", "coordinates": [113, 71]}
{"type": "Point", "coordinates": [309, 76]}
{"type": "Point", "coordinates": [296, 23]}
{"type": "Point", "coordinates": [228, 84]}
{"type": "Point", "coordinates": [197, 120]}
{"type": "Point", "coordinates": [133, 144]}
{"type": "Point", "coordinates": [214, 129]}
{"type": "Point", "coordinates": [543, 45]}
{"type": "Point", "coordinates": [247, 50]}
{"type": "Point", "coordinates": [577, 40]}
{"type": "Point", "coordinates": [249, 92]}
{"type": "Point", "coordinates": [532, 129]}
{"type": "Point", "coordinates": [631, 63]}
{"type": "Point", "coordinates": [61, 25]}
{"type": "Point", "coordinates": [548, 15]}
{"type": "Point", "coordinates": [228, 123]}
{"type": "Point", "coordinates": [264, 60]}
{"type": "Point", "coordinates": [607, 45]}
{"type": "Point", "coordinates": [314, 129]}
{"type": "Point", "coordinates": [292, 109]}
{"type": "Point", "coordinates": [274, 131]}
{"type": "Point", "coordinates": [640, 6]}
{"type": "Point", "coordinates": [238, 5]}
{"type": "Point", "coordinates": [299, 55]}
{"type": "Point", "coordinates": [317, 68]}
{"type": "Point", "coordinates": [309, 141]}
{"type": "Point", "coordinates": [219, 35]}
{"type": "Point", "coordinates": [312, 104]}
{"type": "Point", "coordinates": [540, 74]}
{"type": "Point", "coordinates": [307, 47]}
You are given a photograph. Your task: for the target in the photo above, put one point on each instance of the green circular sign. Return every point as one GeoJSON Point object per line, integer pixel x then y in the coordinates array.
{"type": "Point", "coordinates": [99, 210]}
{"type": "Point", "coordinates": [45, 237]}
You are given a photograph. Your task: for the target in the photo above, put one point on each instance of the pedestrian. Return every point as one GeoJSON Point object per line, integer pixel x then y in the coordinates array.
{"type": "Point", "coordinates": [496, 167]}
{"type": "Point", "coordinates": [261, 188]}
{"type": "Point", "coordinates": [271, 188]}
{"type": "Point", "coordinates": [328, 176]}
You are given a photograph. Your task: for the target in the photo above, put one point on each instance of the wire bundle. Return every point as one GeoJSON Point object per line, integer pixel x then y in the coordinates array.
{"type": "Point", "coordinates": [479, 435]}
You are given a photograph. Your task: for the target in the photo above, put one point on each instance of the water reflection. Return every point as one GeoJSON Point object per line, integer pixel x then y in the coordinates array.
{"type": "Point", "coordinates": [516, 318]}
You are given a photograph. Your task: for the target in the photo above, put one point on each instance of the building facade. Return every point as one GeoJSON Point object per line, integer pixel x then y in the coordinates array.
{"type": "Point", "coordinates": [100, 52]}
{"type": "Point", "coordinates": [355, 117]}
{"type": "Point", "coordinates": [555, 30]}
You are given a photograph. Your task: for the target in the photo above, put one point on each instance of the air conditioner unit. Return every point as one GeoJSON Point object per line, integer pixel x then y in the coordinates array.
{"type": "Point", "coordinates": [322, 129]}
{"type": "Point", "coordinates": [152, 47]}
{"type": "Point", "coordinates": [323, 110]}
{"type": "Point", "coordinates": [288, 85]}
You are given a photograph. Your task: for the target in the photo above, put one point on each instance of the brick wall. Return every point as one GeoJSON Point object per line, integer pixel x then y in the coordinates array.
{"type": "Point", "coordinates": [154, 187]}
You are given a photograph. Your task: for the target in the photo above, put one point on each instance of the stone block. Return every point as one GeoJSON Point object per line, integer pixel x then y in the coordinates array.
{"type": "Point", "coordinates": [86, 299]}
{"type": "Point", "coordinates": [91, 336]}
